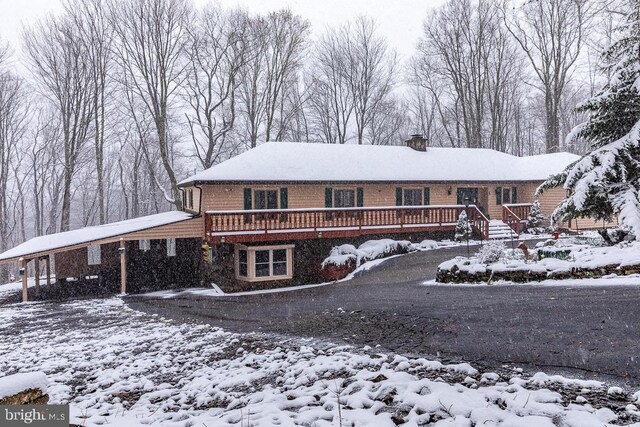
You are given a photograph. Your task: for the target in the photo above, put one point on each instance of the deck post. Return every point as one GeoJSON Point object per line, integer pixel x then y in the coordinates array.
{"type": "Point", "coordinates": [23, 268]}
{"type": "Point", "coordinates": [36, 268]}
{"type": "Point", "coordinates": [123, 267]}
{"type": "Point", "coordinates": [47, 264]}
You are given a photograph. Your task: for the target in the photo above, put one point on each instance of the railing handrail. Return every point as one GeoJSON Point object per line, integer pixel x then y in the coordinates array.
{"type": "Point", "coordinates": [364, 208]}
{"type": "Point", "coordinates": [516, 217]}
{"type": "Point", "coordinates": [513, 205]}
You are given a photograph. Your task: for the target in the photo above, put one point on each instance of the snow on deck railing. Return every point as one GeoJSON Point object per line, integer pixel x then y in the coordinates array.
{"type": "Point", "coordinates": [514, 205]}
{"type": "Point", "coordinates": [250, 211]}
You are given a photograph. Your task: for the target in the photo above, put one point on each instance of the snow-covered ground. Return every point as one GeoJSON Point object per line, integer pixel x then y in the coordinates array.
{"type": "Point", "coordinates": [623, 258]}
{"type": "Point", "coordinates": [116, 366]}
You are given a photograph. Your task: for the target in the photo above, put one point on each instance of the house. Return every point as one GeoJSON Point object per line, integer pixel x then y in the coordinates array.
{"type": "Point", "coordinates": [269, 216]}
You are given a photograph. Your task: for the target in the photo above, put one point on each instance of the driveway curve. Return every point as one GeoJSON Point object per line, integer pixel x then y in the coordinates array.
{"type": "Point", "coordinates": [584, 331]}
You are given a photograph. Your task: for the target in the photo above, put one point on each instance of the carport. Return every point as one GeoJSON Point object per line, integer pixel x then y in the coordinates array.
{"type": "Point", "coordinates": [104, 249]}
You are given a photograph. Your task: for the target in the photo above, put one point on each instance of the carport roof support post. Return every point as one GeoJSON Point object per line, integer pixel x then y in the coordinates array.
{"type": "Point", "coordinates": [36, 267]}
{"type": "Point", "coordinates": [123, 267]}
{"type": "Point", "coordinates": [23, 266]}
{"type": "Point", "coordinates": [47, 263]}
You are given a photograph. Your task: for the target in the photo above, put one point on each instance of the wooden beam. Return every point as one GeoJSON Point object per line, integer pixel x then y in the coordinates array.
{"type": "Point", "coordinates": [47, 263]}
{"type": "Point", "coordinates": [23, 267]}
{"type": "Point", "coordinates": [123, 267]}
{"type": "Point", "coordinates": [36, 265]}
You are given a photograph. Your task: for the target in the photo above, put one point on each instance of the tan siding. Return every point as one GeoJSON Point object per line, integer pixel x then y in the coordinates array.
{"type": "Point", "coordinates": [231, 197]}
{"type": "Point", "coordinates": [180, 230]}
{"type": "Point", "coordinates": [550, 199]}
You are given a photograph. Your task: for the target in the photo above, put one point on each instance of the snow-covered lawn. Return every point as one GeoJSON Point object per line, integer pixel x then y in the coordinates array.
{"type": "Point", "coordinates": [116, 366]}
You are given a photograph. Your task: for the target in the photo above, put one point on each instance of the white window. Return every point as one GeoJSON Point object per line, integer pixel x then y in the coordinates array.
{"type": "Point", "coordinates": [171, 247]}
{"type": "Point", "coordinates": [264, 263]}
{"type": "Point", "coordinates": [93, 255]}
{"type": "Point", "coordinates": [144, 245]}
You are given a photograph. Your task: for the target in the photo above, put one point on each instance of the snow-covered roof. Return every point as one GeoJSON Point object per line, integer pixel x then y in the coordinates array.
{"type": "Point", "coordinates": [81, 236]}
{"type": "Point", "coordinates": [312, 162]}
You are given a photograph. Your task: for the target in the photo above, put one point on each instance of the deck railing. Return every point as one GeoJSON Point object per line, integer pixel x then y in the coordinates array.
{"type": "Point", "coordinates": [518, 212]}
{"type": "Point", "coordinates": [332, 221]}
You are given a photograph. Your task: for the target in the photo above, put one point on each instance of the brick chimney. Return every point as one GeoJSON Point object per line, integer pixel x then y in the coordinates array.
{"type": "Point", "coordinates": [417, 142]}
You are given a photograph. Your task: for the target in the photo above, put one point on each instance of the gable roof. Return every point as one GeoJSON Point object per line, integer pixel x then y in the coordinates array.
{"type": "Point", "coordinates": [313, 162]}
{"type": "Point", "coordinates": [85, 236]}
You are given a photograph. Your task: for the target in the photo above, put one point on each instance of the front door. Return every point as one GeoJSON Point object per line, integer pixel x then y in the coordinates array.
{"type": "Point", "coordinates": [471, 193]}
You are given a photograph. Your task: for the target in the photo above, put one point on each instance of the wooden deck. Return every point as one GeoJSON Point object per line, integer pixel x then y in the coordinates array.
{"type": "Point", "coordinates": [292, 224]}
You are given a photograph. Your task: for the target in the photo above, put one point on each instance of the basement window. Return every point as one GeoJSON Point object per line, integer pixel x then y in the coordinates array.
{"type": "Point", "coordinates": [261, 263]}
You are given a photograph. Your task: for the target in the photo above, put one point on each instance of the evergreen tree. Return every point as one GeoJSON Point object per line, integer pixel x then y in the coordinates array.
{"type": "Point", "coordinates": [606, 182]}
{"type": "Point", "coordinates": [463, 228]}
{"type": "Point", "coordinates": [535, 219]}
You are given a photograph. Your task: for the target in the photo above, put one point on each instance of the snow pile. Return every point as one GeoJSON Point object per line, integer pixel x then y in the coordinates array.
{"type": "Point", "coordinates": [118, 367]}
{"type": "Point", "coordinates": [14, 384]}
{"type": "Point", "coordinates": [368, 251]}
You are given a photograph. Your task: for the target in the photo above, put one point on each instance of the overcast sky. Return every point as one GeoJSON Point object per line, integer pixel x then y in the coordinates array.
{"type": "Point", "coordinates": [400, 21]}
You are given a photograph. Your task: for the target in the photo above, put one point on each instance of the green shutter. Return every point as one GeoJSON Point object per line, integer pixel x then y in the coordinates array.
{"type": "Point", "coordinates": [359, 197]}
{"type": "Point", "coordinates": [284, 198]}
{"type": "Point", "coordinates": [427, 196]}
{"type": "Point", "coordinates": [398, 196]}
{"type": "Point", "coordinates": [514, 194]}
{"type": "Point", "coordinates": [247, 199]}
{"type": "Point", "coordinates": [499, 196]}
{"type": "Point", "coordinates": [328, 197]}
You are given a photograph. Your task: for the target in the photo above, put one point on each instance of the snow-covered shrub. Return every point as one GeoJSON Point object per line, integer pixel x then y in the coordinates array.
{"type": "Point", "coordinates": [491, 252]}
{"type": "Point", "coordinates": [374, 249]}
{"type": "Point", "coordinates": [535, 219]}
{"type": "Point", "coordinates": [429, 244]}
{"type": "Point", "coordinates": [368, 251]}
{"type": "Point", "coordinates": [341, 255]}
{"type": "Point", "coordinates": [463, 228]}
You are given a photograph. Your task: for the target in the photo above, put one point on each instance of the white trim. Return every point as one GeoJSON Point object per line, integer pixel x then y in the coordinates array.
{"type": "Point", "coordinates": [251, 262]}
{"type": "Point", "coordinates": [337, 228]}
{"type": "Point", "coordinates": [287, 230]}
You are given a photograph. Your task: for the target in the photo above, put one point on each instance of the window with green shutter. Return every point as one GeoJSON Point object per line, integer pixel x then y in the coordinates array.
{"type": "Point", "coordinates": [328, 197]}
{"type": "Point", "coordinates": [247, 203]}
{"type": "Point", "coordinates": [427, 196]}
{"type": "Point", "coordinates": [514, 194]}
{"type": "Point", "coordinates": [359, 197]}
{"type": "Point", "coordinates": [398, 196]}
{"type": "Point", "coordinates": [498, 195]}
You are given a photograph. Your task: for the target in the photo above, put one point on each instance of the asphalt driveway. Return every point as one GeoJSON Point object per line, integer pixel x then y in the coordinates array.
{"type": "Point", "coordinates": [586, 331]}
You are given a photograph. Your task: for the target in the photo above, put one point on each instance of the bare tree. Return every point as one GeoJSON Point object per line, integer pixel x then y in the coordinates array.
{"type": "Point", "coordinates": [287, 34]}
{"type": "Point", "coordinates": [388, 123]}
{"type": "Point", "coordinates": [331, 100]}
{"type": "Point", "coordinates": [58, 59]}
{"type": "Point", "coordinates": [13, 120]}
{"type": "Point", "coordinates": [369, 72]}
{"type": "Point", "coordinates": [89, 17]}
{"type": "Point", "coordinates": [150, 36]}
{"type": "Point", "coordinates": [216, 51]}
{"type": "Point", "coordinates": [551, 34]}
{"type": "Point", "coordinates": [277, 43]}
